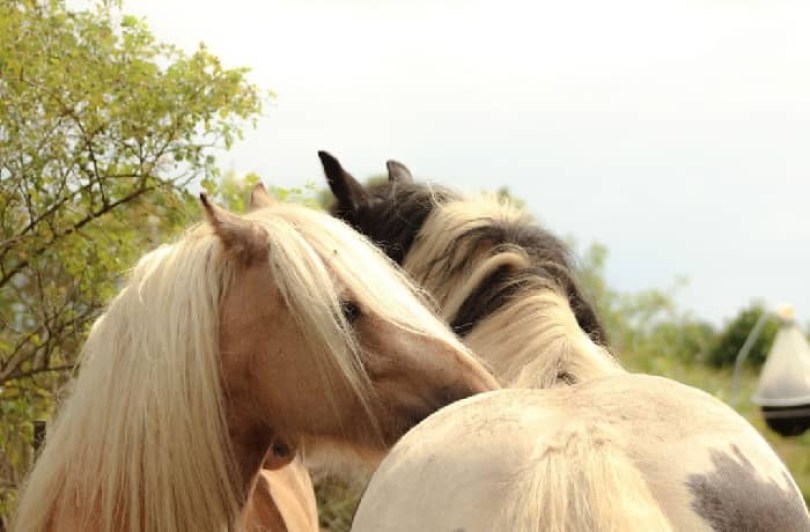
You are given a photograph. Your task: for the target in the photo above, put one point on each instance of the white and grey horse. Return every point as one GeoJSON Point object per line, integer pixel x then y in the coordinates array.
{"type": "Point", "coordinates": [619, 453]}
{"type": "Point", "coordinates": [586, 446]}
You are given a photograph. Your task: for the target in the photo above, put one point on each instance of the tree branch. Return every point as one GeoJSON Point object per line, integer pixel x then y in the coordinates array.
{"type": "Point", "coordinates": [30, 373]}
{"type": "Point", "coordinates": [8, 275]}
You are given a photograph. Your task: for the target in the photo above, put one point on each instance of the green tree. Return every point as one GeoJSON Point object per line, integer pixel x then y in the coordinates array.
{"type": "Point", "coordinates": [646, 324]}
{"type": "Point", "coordinates": [683, 337]}
{"type": "Point", "coordinates": [731, 339]}
{"type": "Point", "coordinates": [101, 128]}
{"type": "Point", "coordinates": [232, 191]}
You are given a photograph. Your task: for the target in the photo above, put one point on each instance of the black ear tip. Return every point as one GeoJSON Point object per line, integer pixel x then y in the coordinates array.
{"type": "Point", "coordinates": [327, 158]}
{"type": "Point", "coordinates": [398, 171]}
{"type": "Point", "coordinates": [208, 209]}
{"type": "Point", "coordinates": [331, 166]}
{"type": "Point", "coordinates": [394, 166]}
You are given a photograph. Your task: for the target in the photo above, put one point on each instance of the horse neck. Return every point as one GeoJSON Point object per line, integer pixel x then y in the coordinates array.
{"type": "Point", "coordinates": [534, 341]}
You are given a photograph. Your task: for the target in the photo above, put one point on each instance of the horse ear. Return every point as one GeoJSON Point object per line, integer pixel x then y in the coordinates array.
{"type": "Point", "coordinates": [241, 238]}
{"type": "Point", "coordinates": [350, 194]}
{"type": "Point", "coordinates": [398, 172]}
{"type": "Point", "coordinates": [260, 198]}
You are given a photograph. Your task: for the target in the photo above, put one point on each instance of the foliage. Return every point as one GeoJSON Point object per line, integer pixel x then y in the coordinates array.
{"type": "Point", "coordinates": [728, 344]}
{"type": "Point", "coordinates": [101, 127]}
{"type": "Point", "coordinates": [646, 322]}
{"type": "Point", "coordinates": [337, 502]}
{"type": "Point", "coordinates": [233, 192]}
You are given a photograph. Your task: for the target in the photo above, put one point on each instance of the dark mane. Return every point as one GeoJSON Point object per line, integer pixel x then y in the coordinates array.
{"type": "Point", "coordinates": [393, 214]}
{"type": "Point", "coordinates": [552, 266]}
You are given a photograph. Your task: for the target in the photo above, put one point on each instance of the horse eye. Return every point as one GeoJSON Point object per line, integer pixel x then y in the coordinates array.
{"type": "Point", "coordinates": [350, 311]}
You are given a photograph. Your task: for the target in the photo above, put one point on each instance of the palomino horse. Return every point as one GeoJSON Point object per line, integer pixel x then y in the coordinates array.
{"type": "Point", "coordinates": [611, 452]}
{"type": "Point", "coordinates": [249, 339]}
{"type": "Point", "coordinates": [504, 284]}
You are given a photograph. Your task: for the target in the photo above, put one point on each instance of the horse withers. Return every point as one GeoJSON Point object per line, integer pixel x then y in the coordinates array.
{"type": "Point", "coordinates": [250, 339]}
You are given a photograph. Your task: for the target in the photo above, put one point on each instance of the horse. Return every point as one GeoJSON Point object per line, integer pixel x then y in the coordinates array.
{"type": "Point", "coordinates": [250, 340]}
{"type": "Point", "coordinates": [618, 453]}
{"type": "Point", "coordinates": [584, 445]}
{"type": "Point", "coordinates": [504, 284]}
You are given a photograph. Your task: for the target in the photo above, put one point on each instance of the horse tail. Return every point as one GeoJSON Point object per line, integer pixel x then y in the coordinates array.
{"type": "Point", "coordinates": [582, 484]}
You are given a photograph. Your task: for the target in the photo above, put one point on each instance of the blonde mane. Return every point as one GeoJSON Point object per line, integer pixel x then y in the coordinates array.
{"type": "Point", "coordinates": [141, 442]}
{"type": "Point", "coordinates": [534, 339]}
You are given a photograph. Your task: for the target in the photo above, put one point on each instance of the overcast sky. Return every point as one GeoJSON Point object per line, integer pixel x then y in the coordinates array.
{"type": "Point", "coordinates": [677, 133]}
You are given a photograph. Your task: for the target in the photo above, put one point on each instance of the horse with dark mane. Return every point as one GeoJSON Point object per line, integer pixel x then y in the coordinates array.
{"type": "Point", "coordinates": [503, 283]}
{"type": "Point", "coordinates": [610, 451]}
{"type": "Point", "coordinates": [249, 340]}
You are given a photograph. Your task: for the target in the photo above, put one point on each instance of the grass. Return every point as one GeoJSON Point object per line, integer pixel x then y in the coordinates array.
{"type": "Point", "coordinates": [337, 500]}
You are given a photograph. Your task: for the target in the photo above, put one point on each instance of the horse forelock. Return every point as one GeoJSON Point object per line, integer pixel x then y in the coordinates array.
{"type": "Point", "coordinates": [305, 257]}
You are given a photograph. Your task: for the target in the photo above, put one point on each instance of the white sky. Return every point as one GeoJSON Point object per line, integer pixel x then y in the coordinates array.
{"type": "Point", "coordinates": [674, 132]}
